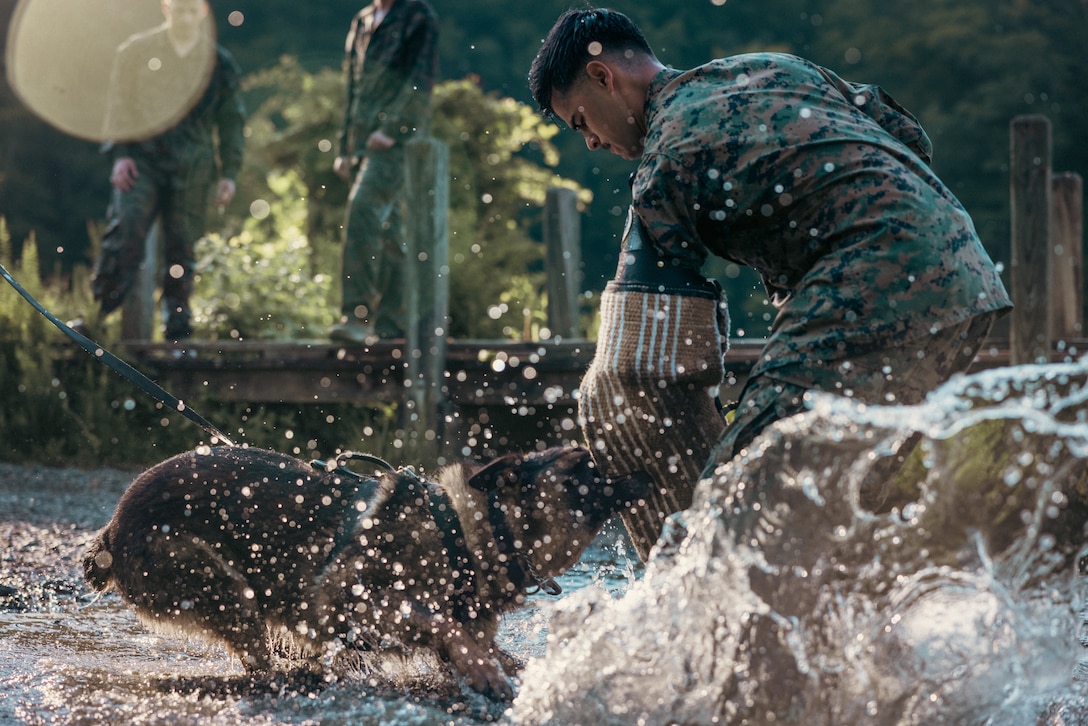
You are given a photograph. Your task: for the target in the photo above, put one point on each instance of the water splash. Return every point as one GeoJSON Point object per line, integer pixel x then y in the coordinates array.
{"type": "Point", "coordinates": [817, 579]}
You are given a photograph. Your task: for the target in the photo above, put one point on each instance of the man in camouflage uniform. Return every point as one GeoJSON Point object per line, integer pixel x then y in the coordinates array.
{"type": "Point", "coordinates": [174, 93]}
{"type": "Point", "coordinates": [392, 63]}
{"type": "Point", "coordinates": [882, 287]}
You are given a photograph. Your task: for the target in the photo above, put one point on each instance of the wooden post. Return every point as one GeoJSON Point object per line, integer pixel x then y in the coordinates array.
{"type": "Point", "coordinates": [563, 264]}
{"type": "Point", "coordinates": [138, 310]}
{"type": "Point", "coordinates": [1030, 335]}
{"type": "Point", "coordinates": [426, 286]}
{"type": "Point", "coordinates": [1067, 257]}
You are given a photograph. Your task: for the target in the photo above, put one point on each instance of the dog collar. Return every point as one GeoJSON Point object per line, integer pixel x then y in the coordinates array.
{"type": "Point", "coordinates": [518, 567]}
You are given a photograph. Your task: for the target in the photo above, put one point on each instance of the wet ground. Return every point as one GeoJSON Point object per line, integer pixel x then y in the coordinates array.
{"type": "Point", "coordinates": [71, 656]}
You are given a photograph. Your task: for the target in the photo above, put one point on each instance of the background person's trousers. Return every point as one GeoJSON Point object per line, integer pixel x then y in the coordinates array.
{"type": "Point", "coordinates": [180, 201]}
{"type": "Point", "coordinates": [375, 251]}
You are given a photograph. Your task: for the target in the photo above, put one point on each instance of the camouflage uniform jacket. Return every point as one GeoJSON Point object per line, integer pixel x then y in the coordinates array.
{"type": "Point", "coordinates": [189, 143]}
{"type": "Point", "coordinates": [824, 188]}
{"type": "Point", "coordinates": [391, 71]}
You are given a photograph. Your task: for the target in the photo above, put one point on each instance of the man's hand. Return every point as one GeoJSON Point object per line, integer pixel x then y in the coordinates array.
{"type": "Point", "coordinates": [224, 192]}
{"type": "Point", "coordinates": [378, 141]}
{"type": "Point", "coordinates": [342, 167]}
{"type": "Point", "coordinates": [124, 174]}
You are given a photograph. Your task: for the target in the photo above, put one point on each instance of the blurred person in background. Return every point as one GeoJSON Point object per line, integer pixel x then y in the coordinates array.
{"type": "Point", "coordinates": [391, 66]}
{"type": "Point", "coordinates": [175, 117]}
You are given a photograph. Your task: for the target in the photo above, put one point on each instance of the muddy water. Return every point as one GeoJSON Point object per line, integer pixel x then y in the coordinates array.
{"type": "Point", "coordinates": [71, 656]}
{"type": "Point", "coordinates": [780, 596]}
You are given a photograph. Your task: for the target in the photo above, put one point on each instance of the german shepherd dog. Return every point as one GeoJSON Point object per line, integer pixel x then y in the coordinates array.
{"type": "Point", "coordinates": [253, 548]}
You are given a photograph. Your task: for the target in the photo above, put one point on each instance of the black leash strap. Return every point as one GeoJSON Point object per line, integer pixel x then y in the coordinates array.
{"type": "Point", "coordinates": [126, 371]}
{"type": "Point", "coordinates": [338, 464]}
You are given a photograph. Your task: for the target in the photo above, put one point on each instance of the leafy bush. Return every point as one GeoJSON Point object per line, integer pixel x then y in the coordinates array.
{"type": "Point", "coordinates": [60, 405]}
{"type": "Point", "coordinates": [501, 166]}
{"type": "Point", "coordinates": [261, 282]}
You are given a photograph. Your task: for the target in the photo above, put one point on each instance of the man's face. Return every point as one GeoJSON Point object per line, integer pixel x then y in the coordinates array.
{"type": "Point", "coordinates": [593, 108]}
{"type": "Point", "coordinates": [185, 16]}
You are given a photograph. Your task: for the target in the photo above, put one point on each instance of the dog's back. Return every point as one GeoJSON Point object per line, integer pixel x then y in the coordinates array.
{"type": "Point", "coordinates": [234, 545]}
{"type": "Point", "coordinates": [219, 541]}
{"type": "Point", "coordinates": [439, 562]}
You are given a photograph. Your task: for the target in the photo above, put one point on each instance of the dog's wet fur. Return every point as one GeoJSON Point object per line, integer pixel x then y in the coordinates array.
{"type": "Point", "coordinates": [253, 548]}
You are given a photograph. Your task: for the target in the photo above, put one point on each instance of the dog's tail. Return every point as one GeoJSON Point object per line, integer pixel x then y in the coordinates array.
{"type": "Point", "coordinates": [98, 562]}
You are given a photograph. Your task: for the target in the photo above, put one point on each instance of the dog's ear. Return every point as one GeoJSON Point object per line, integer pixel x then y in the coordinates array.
{"type": "Point", "coordinates": [500, 472]}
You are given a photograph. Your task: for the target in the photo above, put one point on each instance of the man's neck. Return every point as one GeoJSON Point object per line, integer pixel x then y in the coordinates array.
{"type": "Point", "coordinates": [381, 8]}
{"type": "Point", "coordinates": [183, 45]}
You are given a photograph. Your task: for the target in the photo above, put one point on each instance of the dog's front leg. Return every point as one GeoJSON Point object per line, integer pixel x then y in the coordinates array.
{"type": "Point", "coordinates": [475, 663]}
{"type": "Point", "coordinates": [511, 665]}
{"type": "Point", "coordinates": [452, 641]}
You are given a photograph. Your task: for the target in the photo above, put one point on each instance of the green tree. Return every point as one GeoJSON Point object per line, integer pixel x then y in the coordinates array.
{"type": "Point", "coordinates": [293, 127]}
{"type": "Point", "coordinates": [966, 69]}
{"type": "Point", "coordinates": [260, 282]}
{"type": "Point", "coordinates": [501, 160]}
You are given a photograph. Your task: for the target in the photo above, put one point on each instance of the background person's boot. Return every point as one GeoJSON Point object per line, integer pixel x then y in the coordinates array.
{"type": "Point", "coordinates": [351, 330]}
{"type": "Point", "coordinates": [177, 317]}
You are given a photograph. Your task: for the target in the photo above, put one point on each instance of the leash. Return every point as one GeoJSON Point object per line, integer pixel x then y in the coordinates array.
{"type": "Point", "coordinates": [519, 567]}
{"type": "Point", "coordinates": [126, 371]}
{"type": "Point", "coordinates": [338, 464]}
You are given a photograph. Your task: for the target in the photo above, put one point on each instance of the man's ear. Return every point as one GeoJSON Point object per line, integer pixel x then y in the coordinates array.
{"type": "Point", "coordinates": [600, 74]}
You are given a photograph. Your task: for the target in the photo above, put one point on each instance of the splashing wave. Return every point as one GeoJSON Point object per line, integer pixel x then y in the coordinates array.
{"type": "Point", "coordinates": [883, 565]}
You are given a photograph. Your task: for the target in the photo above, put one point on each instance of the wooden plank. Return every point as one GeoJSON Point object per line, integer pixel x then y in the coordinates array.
{"type": "Point", "coordinates": [563, 261]}
{"type": "Point", "coordinates": [501, 395]}
{"type": "Point", "coordinates": [473, 372]}
{"type": "Point", "coordinates": [490, 371]}
{"type": "Point", "coordinates": [1067, 257]}
{"type": "Point", "coordinates": [282, 386]}
{"type": "Point", "coordinates": [1030, 273]}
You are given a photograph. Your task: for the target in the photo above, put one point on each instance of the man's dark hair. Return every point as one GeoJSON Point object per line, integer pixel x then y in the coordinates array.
{"type": "Point", "coordinates": [569, 46]}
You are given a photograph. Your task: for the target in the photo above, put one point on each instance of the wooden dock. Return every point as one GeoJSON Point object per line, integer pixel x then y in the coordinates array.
{"type": "Point", "coordinates": [481, 372]}
{"type": "Point", "coordinates": [518, 393]}
{"type": "Point", "coordinates": [305, 372]}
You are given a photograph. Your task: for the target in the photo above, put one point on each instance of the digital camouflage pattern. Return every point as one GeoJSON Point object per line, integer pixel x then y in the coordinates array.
{"type": "Point", "coordinates": [883, 289]}
{"type": "Point", "coordinates": [822, 186]}
{"type": "Point", "coordinates": [903, 375]}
